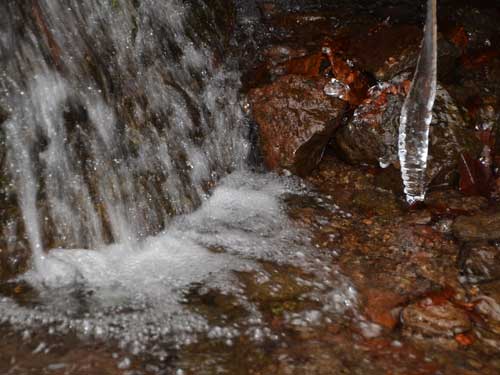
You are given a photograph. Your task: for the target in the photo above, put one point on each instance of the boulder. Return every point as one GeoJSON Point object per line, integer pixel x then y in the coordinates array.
{"type": "Point", "coordinates": [371, 136]}
{"type": "Point", "coordinates": [296, 120]}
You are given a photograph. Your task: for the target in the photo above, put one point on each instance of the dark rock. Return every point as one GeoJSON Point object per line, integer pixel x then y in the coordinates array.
{"type": "Point", "coordinates": [296, 120]}
{"type": "Point", "coordinates": [372, 134]}
{"type": "Point", "coordinates": [482, 262]}
{"type": "Point", "coordinates": [389, 179]}
{"type": "Point", "coordinates": [3, 115]}
{"type": "Point", "coordinates": [453, 202]}
{"type": "Point", "coordinates": [472, 26]}
{"type": "Point", "coordinates": [388, 50]}
{"type": "Point", "coordinates": [480, 227]}
{"type": "Point", "coordinates": [434, 320]}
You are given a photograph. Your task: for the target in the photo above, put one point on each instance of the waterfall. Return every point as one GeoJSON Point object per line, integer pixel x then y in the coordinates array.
{"type": "Point", "coordinates": [416, 114]}
{"type": "Point", "coordinates": [120, 114]}
{"type": "Point", "coordinates": [119, 117]}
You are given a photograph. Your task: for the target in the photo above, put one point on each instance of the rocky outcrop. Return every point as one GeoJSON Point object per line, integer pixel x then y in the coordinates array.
{"type": "Point", "coordinates": [296, 120]}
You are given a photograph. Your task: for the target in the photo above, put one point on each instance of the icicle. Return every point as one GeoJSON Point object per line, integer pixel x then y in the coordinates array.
{"type": "Point", "coordinates": [416, 114]}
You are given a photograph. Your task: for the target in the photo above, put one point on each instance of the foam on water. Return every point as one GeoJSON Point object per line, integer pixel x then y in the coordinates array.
{"type": "Point", "coordinates": [136, 294]}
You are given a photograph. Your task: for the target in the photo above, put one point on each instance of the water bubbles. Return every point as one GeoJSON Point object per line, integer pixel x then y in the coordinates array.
{"type": "Point", "coordinates": [337, 89]}
{"type": "Point", "coordinates": [370, 330]}
{"type": "Point", "coordinates": [124, 363]}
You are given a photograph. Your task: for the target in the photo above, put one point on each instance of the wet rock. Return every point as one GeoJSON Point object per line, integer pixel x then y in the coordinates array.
{"type": "Point", "coordinates": [479, 227]}
{"type": "Point", "coordinates": [296, 120]}
{"type": "Point", "coordinates": [389, 179]}
{"type": "Point", "coordinates": [487, 305]}
{"type": "Point", "coordinates": [421, 217]}
{"type": "Point", "coordinates": [482, 262]}
{"type": "Point", "coordinates": [435, 320]}
{"type": "Point", "coordinates": [371, 135]}
{"type": "Point", "coordinates": [372, 132]}
{"type": "Point", "coordinates": [382, 307]}
{"type": "Point", "coordinates": [14, 248]}
{"type": "Point", "coordinates": [451, 201]}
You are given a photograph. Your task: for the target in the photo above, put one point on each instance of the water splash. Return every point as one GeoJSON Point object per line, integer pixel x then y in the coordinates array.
{"type": "Point", "coordinates": [138, 296]}
{"type": "Point", "coordinates": [416, 114]}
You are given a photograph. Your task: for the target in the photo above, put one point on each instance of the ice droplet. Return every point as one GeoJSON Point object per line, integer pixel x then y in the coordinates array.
{"type": "Point", "coordinates": [336, 88]}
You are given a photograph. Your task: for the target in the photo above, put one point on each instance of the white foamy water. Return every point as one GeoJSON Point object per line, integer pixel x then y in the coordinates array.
{"type": "Point", "coordinates": [243, 216]}
{"type": "Point", "coordinates": [136, 294]}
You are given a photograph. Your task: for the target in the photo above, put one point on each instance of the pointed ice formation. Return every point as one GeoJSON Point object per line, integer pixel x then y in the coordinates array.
{"type": "Point", "coordinates": [416, 114]}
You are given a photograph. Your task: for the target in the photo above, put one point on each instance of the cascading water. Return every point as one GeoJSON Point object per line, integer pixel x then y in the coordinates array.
{"type": "Point", "coordinates": [416, 114]}
{"type": "Point", "coordinates": [120, 116]}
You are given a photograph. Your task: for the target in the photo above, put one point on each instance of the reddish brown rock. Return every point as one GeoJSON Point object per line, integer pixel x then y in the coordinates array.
{"type": "Point", "coordinates": [382, 307]}
{"type": "Point", "coordinates": [296, 120]}
{"type": "Point", "coordinates": [435, 319]}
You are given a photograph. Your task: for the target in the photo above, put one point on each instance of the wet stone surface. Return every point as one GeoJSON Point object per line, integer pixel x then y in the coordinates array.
{"type": "Point", "coordinates": [296, 119]}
